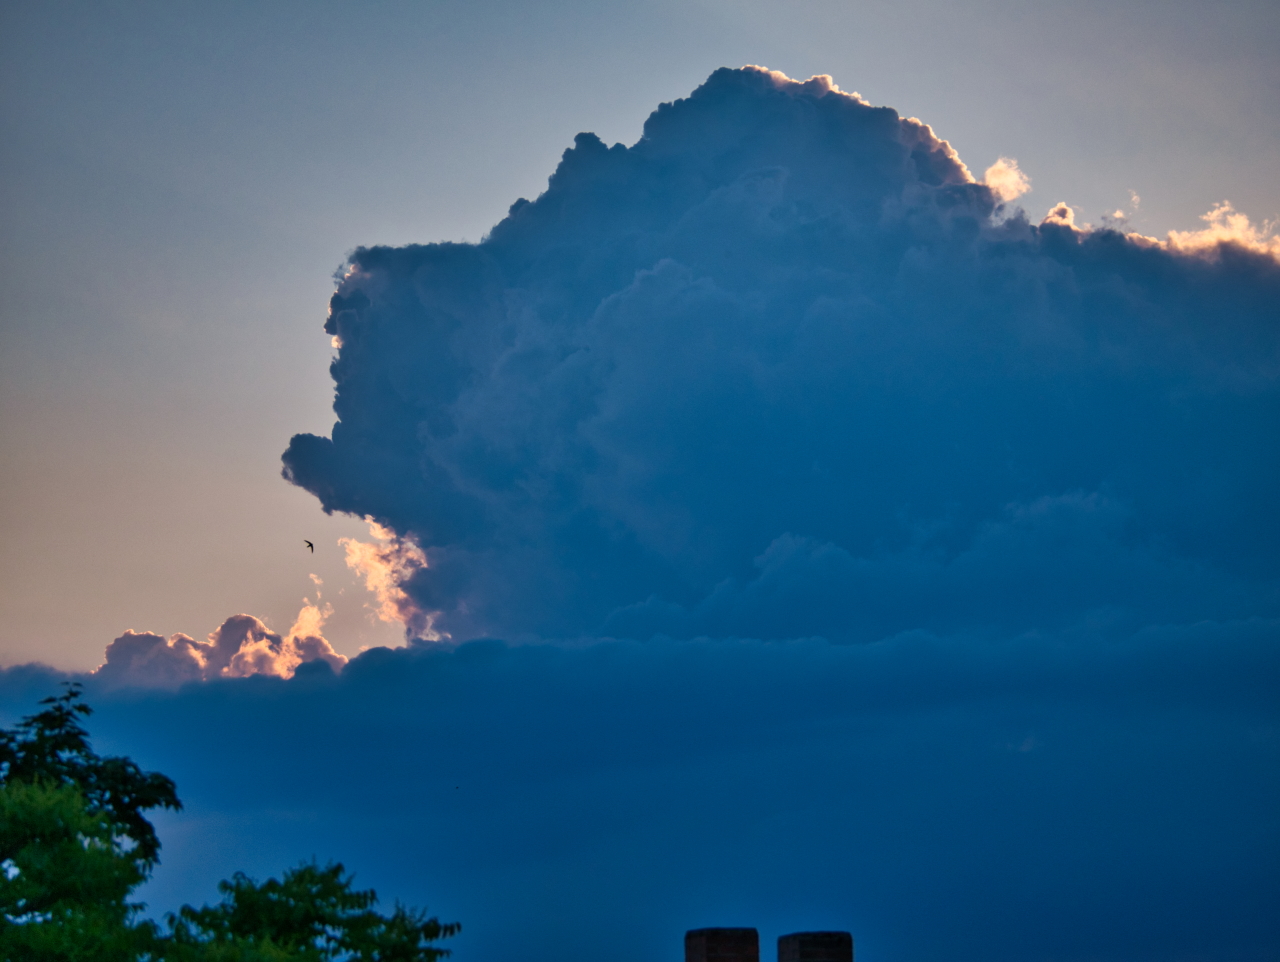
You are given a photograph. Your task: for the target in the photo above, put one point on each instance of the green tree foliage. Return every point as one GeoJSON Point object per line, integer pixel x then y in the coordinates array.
{"type": "Point", "coordinates": [311, 915]}
{"type": "Point", "coordinates": [52, 748]}
{"type": "Point", "coordinates": [73, 840]}
{"type": "Point", "coordinates": [66, 880]}
{"type": "Point", "coordinates": [74, 843]}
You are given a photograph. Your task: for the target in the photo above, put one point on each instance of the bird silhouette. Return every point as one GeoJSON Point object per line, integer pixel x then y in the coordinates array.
{"type": "Point", "coordinates": [309, 545]}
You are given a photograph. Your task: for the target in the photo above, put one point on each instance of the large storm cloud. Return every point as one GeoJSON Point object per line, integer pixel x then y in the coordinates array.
{"type": "Point", "coordinates": [862, 555]}
{"type": "Point", "coordinates": [783, 368]}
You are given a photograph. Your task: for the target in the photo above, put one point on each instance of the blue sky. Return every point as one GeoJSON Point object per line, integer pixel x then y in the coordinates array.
{"type": "Point", "coordinates": [864, 524]}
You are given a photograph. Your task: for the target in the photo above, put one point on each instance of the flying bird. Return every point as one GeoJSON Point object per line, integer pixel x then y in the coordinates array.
{"type": "Point", "coordinates": [309, 545]}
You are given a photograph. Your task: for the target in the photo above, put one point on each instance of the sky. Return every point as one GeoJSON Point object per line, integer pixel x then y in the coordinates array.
{"type": "Point", "coordinates": [782, 511]}
{"type": "Point", "coordinates": [181, 181]}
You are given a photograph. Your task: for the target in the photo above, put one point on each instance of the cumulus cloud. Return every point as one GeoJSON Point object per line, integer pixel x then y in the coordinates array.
{"type": "Point", "coordinates": [922, 559]}
{"type": "Point", "coordinates": [1226, 225]}
{"type": "Point", "coordinates": [1006, 181]}
{"type": "Point", "coordinates": [241, 646]}
{"type": "Point", "coordinates": [1060, 214]}
{"type": "Point", "coordinates": [783, 367]}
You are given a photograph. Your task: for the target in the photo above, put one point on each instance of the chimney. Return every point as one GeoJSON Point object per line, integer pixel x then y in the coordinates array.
{"type": "Point", "coordinates": [721, 945]}
{"type": "Point", "coordinates": [816, 947]}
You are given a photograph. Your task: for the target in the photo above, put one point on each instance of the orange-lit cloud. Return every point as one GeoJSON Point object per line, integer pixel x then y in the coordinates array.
{"type": "Point", "coordinates": [385, 564]}
{"type": "Point", "coordinates": [1226, 225]}
{"type": "Point", "coordinates": [1005, 179]}
{"type": "Point", "coordinates": [241, 646]}
{"type": "Point", "coordinates": [1061, 214]}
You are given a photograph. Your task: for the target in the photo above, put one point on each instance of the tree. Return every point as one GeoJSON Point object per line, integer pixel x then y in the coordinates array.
{"type": "Point", "coordinates": [74, 842]}
{"type": "Point", "coordinates": [51, 748]}
{"type": "Point", "coordinates": [312, 914]}
{"type": "Point", "coordinates": [66, 880]}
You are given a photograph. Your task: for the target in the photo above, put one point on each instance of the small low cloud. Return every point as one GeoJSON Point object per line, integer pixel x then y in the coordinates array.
{"type": "Point", "coordinates": [241, 646]}
{"type": "Point", "coordinates": [1005, 179]}
{"type": "Point", "coordinates": [1060, 214]}
{"type": "Point", "coordinates": [1226, 225]}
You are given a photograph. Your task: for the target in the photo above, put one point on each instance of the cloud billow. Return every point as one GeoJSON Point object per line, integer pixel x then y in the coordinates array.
{"type": "Point", "coordinates": [241, 646]}
{"type": "Point", "coordinates": [784, 368]}
{"type": "Point", "coordinates": [922, 561]}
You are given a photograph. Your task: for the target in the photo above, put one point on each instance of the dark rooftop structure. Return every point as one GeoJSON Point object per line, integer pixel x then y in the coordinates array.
{"type": "Point", "coordinates": [722, 945]}
{"type": "Point", "coordinates": [816, 947]}
{"type": "Point", "coordinates": [743, 945]}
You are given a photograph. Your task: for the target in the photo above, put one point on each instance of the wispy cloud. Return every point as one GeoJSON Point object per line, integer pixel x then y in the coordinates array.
{"type": "Point", "coordinates": [386, 564]}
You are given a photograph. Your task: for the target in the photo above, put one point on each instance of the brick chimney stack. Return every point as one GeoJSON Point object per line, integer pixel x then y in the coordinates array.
{"type": "Point", "coordinates": [816, 947]}
{"type": "Point", "coordinates": [722, 945]}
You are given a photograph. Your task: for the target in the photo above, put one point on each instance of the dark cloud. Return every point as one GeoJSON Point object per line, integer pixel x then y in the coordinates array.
{"type": "Point", "coordinates": [939, 797]}
{"type": "Point", "coordinates": [912, 566]}
{"type": "Point", "coordinates": [783, 368]}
